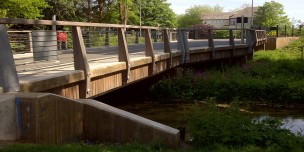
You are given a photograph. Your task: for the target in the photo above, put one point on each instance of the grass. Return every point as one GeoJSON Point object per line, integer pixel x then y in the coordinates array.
{"type": "Point", "coordinates": [272, 77]}
{"type": "Point", "coordinates": [132, 147]}
{"type": "Point", "coordinates": [226, 129]}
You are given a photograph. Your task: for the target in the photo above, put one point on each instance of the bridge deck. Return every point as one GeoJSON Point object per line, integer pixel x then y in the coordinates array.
{"type": "Point", "coordinates": [98, 57]}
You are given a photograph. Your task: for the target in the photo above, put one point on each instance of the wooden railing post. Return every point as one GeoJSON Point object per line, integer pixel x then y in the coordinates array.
{"type": "Point", "coordinates": [149, 49]}
{"type": "Point", "coordinates": [277, 31]}
{"type": "Point", "coordinates": [182, 45]}
{"type": "Point", "coordinates": [30, 42]}
{"type": "Point", "coordinates": [81, 61]}
{"type": "Point", "coordinates": [136, 37]}
{"type": "Point", "coordinates": [123, 53]}
{"type": "Point", "coordinates": [231, 42]}
{"type": "Point", "coordinates": [211, 43]}
{"type": "Point", "coordinates": [9, 80]}
{"type": "Point", "coordinates": [107, 39]}
{"type": "Point", "coordinates": [167, 46]}
{"type": "Point", "coordinates": [251, 40]}
{"type": "Point", "coordinates": [155, 36]}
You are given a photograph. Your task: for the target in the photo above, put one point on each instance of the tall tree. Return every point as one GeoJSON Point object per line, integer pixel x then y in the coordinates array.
{"type": "Point", "coordinates": [157, 13]}
{"type": "Point", "coordinates": [271, 14]}
{"type": "Point", "coordinates": [243, 6]}
{"type": "Point", "coordinates": [193, 14]}
{"type": "Point", "coordinates": [28, 9]}
{"type": "Point", "coordinates": [124, 10]}
{"type": "Point", "coordinates": [105, 11]}
{"type": "Point", "coordinates": [64, 9]}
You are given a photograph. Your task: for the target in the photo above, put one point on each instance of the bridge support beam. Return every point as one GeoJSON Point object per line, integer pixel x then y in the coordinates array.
{"type": "Point", "coordinates": [81, 62]}
{"type": "Point", "coordinates": [183, 45]}
{"type": "Point", "coordinates": [123, 54]}
{"type": "Point", "coordinates": [9, 80]}
{"type": "Point", "coordinates": [149, 50]}
{"type": "Point", "coordinates": [251, 40]}
{"type": "Point", "coordinates": [211, 43]}
{"type": "Point", "coordinates": [167, 47]}
{"type": "Point", "coordinates": [231, 43]}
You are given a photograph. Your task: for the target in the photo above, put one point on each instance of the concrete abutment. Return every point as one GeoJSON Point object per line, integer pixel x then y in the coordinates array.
{"type": "Point", "coordinates": [45, 118]}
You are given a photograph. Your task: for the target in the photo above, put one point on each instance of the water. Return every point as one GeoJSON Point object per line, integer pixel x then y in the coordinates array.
{"type": "Point", "coordinates": [294, 123]}
{"type": "Point", "coordinates": [175, 115]}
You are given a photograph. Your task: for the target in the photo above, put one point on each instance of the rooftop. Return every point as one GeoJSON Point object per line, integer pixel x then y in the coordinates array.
{"type": "Point", "coordinates": [226, 15]}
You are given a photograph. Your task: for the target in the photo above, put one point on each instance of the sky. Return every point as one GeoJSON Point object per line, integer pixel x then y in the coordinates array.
{"type": "Point", "coordinates": [293, 8]}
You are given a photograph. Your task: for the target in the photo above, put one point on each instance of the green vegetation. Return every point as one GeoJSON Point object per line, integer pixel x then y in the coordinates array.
{"type": "Point", "coordinates": [133, 147]}
{"type": "Point", "coordinates": [271, 14]}
{"type": "Point", "coordinates": [28, 9]}
{"type": "Point", "coordinates": [193, 15]}
{"type": "Point", "coordinates": [272, 77]}
{"type": "Point", "coordinates": [153, 12]}
{"type": "Point", "coordinates": [215, 130]}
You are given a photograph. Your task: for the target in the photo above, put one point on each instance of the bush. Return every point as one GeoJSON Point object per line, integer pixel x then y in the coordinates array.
{"type": "Point", "coordinates": [273, 76]}
{"type": "Point", "coordinates": [212, 126]}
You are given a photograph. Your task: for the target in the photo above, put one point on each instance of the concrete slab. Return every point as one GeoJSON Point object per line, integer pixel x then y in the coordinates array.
{"type": "Point", "coordinates": [8, 117]}
{"type": "Point", "coordinates": [105, 123]}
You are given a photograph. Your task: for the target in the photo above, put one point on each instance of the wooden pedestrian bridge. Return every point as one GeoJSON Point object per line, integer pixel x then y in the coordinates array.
{"type": "Point", "coordinates": [98, 58]}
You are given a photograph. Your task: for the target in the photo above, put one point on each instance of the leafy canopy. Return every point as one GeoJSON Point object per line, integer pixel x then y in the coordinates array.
{"type": "Point", "coordinates": [28, 9]}
{"type": "Point", "coordinates": [157, 13]}
{"type": "Point", "coordinates": [193, 14]}
{"type": "Point", "coordinates": [271, 14]}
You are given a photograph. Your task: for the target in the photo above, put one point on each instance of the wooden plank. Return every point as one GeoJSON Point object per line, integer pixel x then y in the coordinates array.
{"type": "Point", "coordinates": [67, 23]}
{"type": "Point", "coordinates": [123, 53]}
{"type": "Point", "coordinates": [149, 49]}
{"type": "Point", "coordinates": [81, 61]}
{"type": "Point", "coordinates": [9, 80]}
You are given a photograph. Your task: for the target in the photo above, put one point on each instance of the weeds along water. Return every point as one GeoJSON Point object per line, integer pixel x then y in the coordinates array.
{"type": "Point", "coordinates": [274, 77]}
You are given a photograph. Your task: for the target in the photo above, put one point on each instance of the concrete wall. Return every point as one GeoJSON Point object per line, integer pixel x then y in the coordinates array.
{"type": "Point", "coordinates": [104, 123]}
{"type": "Point", "coordinates": [278, 42]}
{"type": "Point", "coordinates": [8, 121]}
{"type": "Point", "coordinates": [49, 119]}
{"type": "Point", "coordinates": [45, 118]}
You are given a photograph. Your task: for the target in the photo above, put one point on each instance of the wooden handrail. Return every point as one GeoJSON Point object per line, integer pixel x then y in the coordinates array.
{"type": "Point", "coordinates": [69, 23]}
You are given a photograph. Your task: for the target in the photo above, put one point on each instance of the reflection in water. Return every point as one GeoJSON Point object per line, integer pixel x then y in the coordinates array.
{"type": "Point", "coordinates": [294, 124]}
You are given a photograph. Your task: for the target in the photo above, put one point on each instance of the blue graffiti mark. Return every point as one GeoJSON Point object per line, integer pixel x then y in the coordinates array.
{"type": "Point", "coordinates": [18, 112]}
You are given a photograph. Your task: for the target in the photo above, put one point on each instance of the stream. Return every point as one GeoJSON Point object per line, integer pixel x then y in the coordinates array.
{"type": "Point", "coordinates": [175, 115]}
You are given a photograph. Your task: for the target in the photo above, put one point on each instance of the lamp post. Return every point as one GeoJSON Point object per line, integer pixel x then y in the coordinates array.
{"type": "Point", "coordinates": [140, 17]}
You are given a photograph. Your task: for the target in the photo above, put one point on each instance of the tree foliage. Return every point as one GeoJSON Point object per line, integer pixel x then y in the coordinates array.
{"type": "Point", "coordinates": [67, 10]}
{"type": "Point", "coordinates": [153, 12]}
{"type": "Point", "coordinates": [271, 14]}
{"type": "Point", "coordinates": [28, 9]}
{"type": "Point", "coordinates": [157, 13]}
{"type": "Point", "coordinates": [193, 14]}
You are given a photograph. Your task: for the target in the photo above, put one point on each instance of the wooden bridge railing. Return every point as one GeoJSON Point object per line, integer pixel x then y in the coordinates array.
{"type": "Point", "coordinates": [80, 54]}
{"type": "Point", "coordinates": [79, 50]}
